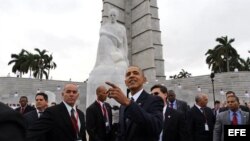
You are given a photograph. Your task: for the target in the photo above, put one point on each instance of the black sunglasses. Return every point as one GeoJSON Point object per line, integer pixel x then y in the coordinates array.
{"type": "Point", "coordinates": [155, 93]}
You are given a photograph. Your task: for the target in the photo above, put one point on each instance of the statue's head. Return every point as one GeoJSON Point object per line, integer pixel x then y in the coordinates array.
{"type": "Point", "coordinates": [113, 14]}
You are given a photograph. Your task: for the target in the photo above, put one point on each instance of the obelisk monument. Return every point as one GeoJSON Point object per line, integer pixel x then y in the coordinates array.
{"type": "Point", "coordinates": [141, 21]}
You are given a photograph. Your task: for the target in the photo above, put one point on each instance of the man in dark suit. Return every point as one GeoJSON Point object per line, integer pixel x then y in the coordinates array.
{"type": "Point", "coordinates": [24, 107]}
{"type": "Point", "coordinates": [174, 126]}
{"type": "Point", "coordinates": [141, 117]}
{"type": "Point", "coordinates": [12, 125]}
{"type": "Point", "coordinates": [177, 104]}
{"type": "Point", "coordinates": [216, 108]}
{"type": "Point", "coordinates": [63, 122]}
{"type": "Point", "coordinates": [99, 117]}
{"type": "Point", "coordinates": [200, 120]}
{"type": "Point", "coordinates": [41, 104]}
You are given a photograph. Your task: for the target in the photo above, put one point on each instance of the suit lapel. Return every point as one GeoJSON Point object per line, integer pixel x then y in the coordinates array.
{"type": "Point", "coordinates": [198, 110]}
{"type": "Point", "coordinates": [81, 118]}
{"type": "Point", "coordinates": [66, 118]}
{"type": "Point", "coordinates": [122, 119]}
{"type": "Point", "coordinates": [177, 104]}
{"type": "Point", "coordinates": [168, 115]}
{"type": "Point", "coordinates": [141, 99]}
{"type": "Point", "coordinates": [99, 110]}
{"type": "Point", "coordinates": [243, 117]}
{"type": "Point", "coordinates": [226, 117]}
{"type": "Point", "coordinates": [108, 108]}
{"type": "Point", "coordinates": [131, 126]}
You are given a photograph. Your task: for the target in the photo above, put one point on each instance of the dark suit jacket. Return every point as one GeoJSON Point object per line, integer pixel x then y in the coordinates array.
{"type": "Point", "coordinates": [30, 118]}
{"type": "Point", "coordinates": [12, 125]}
{"type": "Point", "coordinates": [174, 127]}
{"type": "Point", "coordinates": [141, 120]}
{"type": "Point", "coordinates": [56, 125]}
{"type": "Point", "coordinates": [181, 107]}
{"type": "Point", "coordinates": [26, 110]}
{"type": "Point", "coordinates": [196, 124]}
{"type": "Point", "coordinates": [95, 122]}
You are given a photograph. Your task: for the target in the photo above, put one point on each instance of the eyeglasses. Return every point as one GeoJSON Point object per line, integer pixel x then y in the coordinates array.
{"type": "Point", "coordinates": [155, 93]}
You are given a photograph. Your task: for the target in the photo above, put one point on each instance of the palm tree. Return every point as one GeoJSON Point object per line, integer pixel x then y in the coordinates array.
{"type": "Point", "coordinates": [214, 60]}
{"type": "Point", "coordinates": [222, 55]}
{"type": "Point", "coordinates": [226, 49]}
{"type": "Point", "coordinates": [174, 76]}
{"type": "Point", "coordinates": [182, 74]}
{"type": "Point", "coordinates": [40, 61]}
{"type": "Point", "coordinates": [244, 65]}
{"type": "Point", "coordinates": [50, 64]}
{"type": "Point", "coordinates": [18, 60]}
{"type": "Point", "coordinates": [29, 62]}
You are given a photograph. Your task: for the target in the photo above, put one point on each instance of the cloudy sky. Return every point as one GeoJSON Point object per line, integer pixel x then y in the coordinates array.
{"type": "Point", "coordinates": [68, 29]}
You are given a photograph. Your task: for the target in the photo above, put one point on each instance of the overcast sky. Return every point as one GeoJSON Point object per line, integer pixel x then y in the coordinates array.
{"type": "Point", "coordinates": [69, 29]}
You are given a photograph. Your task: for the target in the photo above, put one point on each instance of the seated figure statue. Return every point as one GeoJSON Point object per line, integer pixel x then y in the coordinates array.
{"type": "Point", "coordinates": [111, 60]}
{"type": "Point", "coordinates": [112, 47]}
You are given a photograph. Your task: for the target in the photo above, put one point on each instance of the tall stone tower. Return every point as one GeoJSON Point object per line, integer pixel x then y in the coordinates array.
{"type": "Point", "coordinates": [141, 20]}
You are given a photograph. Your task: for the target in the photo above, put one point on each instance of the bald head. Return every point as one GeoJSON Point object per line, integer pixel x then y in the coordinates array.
{"type": "Point", "coordinates": [101, 93]}
{"type": "Point", "coordinates": [201, 99]}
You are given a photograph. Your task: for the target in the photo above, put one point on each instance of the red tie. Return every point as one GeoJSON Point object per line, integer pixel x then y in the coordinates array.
{"type": "Point", "coordinates": [104, 112]}
{"type": "Point", "coordinates": [234, 121]}
{"type": "Point", "coordinates": [105, 115]}
{"type": "Point", "coordinates": [171, 105]}
{"type": "Point", "coordinates": [74, 121]}
{"type": "Point", "coordinates": [22, 110]}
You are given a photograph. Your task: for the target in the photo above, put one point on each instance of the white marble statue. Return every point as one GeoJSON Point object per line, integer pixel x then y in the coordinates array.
{"type": "Point", "coordinates": [111, 61]}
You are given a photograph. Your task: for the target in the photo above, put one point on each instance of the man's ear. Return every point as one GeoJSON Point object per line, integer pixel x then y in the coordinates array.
{"type": "Point", "coordinates": [62, 93]}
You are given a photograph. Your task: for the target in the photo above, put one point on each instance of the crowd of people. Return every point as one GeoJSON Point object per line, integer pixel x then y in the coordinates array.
{"type": "Point", "coordinates": [143, 116]}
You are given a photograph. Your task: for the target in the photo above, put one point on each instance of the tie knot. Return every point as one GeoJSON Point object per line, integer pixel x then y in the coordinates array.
{"type": "Point", "coordinates": [40, 113]}
{"type": "Point", "coordinates": [171, 105]}
{"type": "Point", "coordinates": [72, 111]}
{"type": "Point", "coordinates": [234, 113]}
{"type": "Point", "coordinates": [202, 109]}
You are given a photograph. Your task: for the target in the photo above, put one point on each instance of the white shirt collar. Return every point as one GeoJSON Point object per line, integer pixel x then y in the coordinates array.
{"type": "Point", "coordinates": [136, 95]}
{"type": "Point", "coordinates": [69, 107]}
{"type": "Point", "coordinates": [98, 101]}
{"type": "Point", "coordinates": [199, 107]}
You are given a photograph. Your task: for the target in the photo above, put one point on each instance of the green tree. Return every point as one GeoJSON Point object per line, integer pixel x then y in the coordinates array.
{"type": "Point", "coordinates": [223, 58]}
{"type": "Point", "coordinates": [29, 62]}
{"type": "Point", "coordinates": [215, 61]}
{"type": "Point", "coordinates": [50, 64]}
{"type": "Point", "coordinates": [17, 60]}
{"type": "Point", "coordinates": [243, 65]}
{"type": "Point", "coordinates": [40, 64]}
{"type": "Point", "coordinates": [182, 74]}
